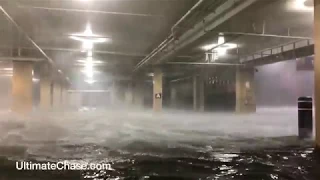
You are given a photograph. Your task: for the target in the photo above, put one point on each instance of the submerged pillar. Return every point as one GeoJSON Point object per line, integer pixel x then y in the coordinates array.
{"type": "Point", "coordinates": [22, 87]}
{"type": "Point", "coordinates": [317, 68]}
{"type": "Point", "coordinates": [173, 96]}
{"type": "Point", "coordinates": [195, 93]}
{"type": "Point", "coordinates": [199, 92]}
{"type": "Point", "coordinates": [64, 95]}
{"type": "Point", "coordinates": [113, 94]}
{"type": "Point", "coordinates": [138, 93]}
{"type": "Point", "coordinates": [202, 81]}
{"type": "Point", "coordinates": [245, 90]}
{"type": "Point", "coordinates": [56, 94]}
{"type": "Point", "coordinates": [129, 94]}
{"type": "Point", "coordinates": [45, 93]}
{"type": "Point", "coordinates": [45, 88]}
{"type": "Point", "coordinates": [157, 90]}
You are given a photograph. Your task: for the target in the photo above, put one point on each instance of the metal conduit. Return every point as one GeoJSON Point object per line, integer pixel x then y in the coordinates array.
{"type": "Point", "coordinates": [30, 39]}
{"type": "Point", "coordinates": [243, 5]}
{"type": "Point", "coordinates": [187, 14]}
{"type": "Point", "coordinates": [88, 11]}
{"type": "Point", "coordinates": [199, 63]}
{"type": "Point", "coordinates": [168, 39]}
{"type": "Point", "coordinates": [228, 11]}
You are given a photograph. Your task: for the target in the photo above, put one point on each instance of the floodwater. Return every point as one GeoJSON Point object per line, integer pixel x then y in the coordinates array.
{"type": "Point", "coordinates": [171, 145]}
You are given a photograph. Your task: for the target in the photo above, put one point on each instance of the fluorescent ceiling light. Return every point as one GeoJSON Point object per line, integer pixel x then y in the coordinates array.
{"type": "Point", "coordinates": [35, 80]}
{"type": "Point", "coordinates": [87, 46]}
{"type": "Point", "coordinates": [218, 49]}
{"type": "Point", "coordinates": [6, 69]}
{"type": "Point", "coordinates": [303, 5]}
{"type": "Point", "coordinates": [220, 46]}
{"type": "Point", "coordinates": [221, 40]}
{"type": "Point", "coordinates": [88, 36]}
{"type": "Point", "coordinates": [224, 46]}
{"type": "Point", "coordinates": [90, 81]}
{"type": "Point", "coordinates": [10, 75]}
{"type": "Point", "coordinates": [93, 61]}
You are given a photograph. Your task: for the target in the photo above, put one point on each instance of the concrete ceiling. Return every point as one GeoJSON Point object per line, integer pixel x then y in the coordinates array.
{"type": "Point", "coordinates": [136, 27]}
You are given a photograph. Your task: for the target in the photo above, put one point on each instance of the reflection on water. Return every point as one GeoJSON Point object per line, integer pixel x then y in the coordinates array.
{"type": "Point", "coordinates": [174, 145]}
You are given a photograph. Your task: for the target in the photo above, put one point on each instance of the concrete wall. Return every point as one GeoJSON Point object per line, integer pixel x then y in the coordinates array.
{"type": "Point", "coordinates": [280, 84]}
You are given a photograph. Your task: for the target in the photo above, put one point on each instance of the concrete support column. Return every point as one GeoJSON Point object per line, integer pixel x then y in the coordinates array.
{"type": "Point", "coordinates": [202, 91]}
{"type": "Point", "coordinates": [173, 96]}
{"type": "Point", "coordinates": [75, 100]}
{"type": "Point", "coordinates": [138, 94]}
{"type": "Point", "coordinates": [199, 92]}
{"type": "Point", "coordinates": [195, 93]}
{"type": "Point", "coordinates": [317, 68]}
{"type": "Point", "coordinates": [65, 96]}
{"type": "Point", "coordinates": [46, 89]}
{"type": "Point", "coordinates": [22, 87]}
{"type": "Point", "coordinates": [45, 93]}
{"type": "Point", "coordinates": [129, 94]}
{"type": "Point", "coordinates": [56, 95]}
{"type": "Point", "coordinates": [113, 93]}
{"type": "Point", "coordinates": [245, 90]}
{"type": "Point", "coordinates": [157, 90]}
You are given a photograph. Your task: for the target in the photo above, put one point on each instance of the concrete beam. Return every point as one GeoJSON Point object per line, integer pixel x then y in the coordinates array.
{"type": "Point", "coordinates": [284, 56]}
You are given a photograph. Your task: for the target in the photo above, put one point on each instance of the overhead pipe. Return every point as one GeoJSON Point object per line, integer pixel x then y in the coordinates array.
{"type": "Point", "coordinates": [27, 36]}
{"type": "Point", "coordinates": [228, 10]}
{"type": "Point", "coordinates": [88, 11]}
{"type": "Point", "coordinates": [30, 39]}
{"type": "Point", "coordinates": [200, 63]}
{"type": "Point", "coordinates": [153, 53]}
{"type": "Point", "coordinates": [20, 59]}
{"type": "Point", "coordinates": [79, 50]}
{"type": "Point", "coordinates": [168, 40]}
{"type": "Point", "coordinates": [187, 14]}
{"type": "Point", "coordinates": [199, 27]}
{"type": "Point", "coordinates": [181, 79]}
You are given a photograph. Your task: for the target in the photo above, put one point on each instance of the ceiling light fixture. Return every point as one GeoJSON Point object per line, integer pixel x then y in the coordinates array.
{"type": "Point", "coordinates": [88, 36]}
{"type": "Point", "coordinates": [87, 46]}
{"type": "Point", "coordinates": [93, 62]}
{"type": "Point", "coordinates": [7, 69]}
{"type": "Point", "coordinates": [220, 48]}
{"type": "Point", "coordinates": [90, 53]}
{"type": "Point", "coordinates": [304, 5]}
{"type": "Point", "coordinates": [90, 81]}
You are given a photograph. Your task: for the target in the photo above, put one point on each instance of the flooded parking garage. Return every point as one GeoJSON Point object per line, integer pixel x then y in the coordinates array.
{"type": "Point", "coordinates": [179, 89]}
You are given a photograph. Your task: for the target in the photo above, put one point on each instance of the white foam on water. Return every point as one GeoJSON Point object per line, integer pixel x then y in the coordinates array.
{"type": "Point", "coordinates": [44, 134]}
